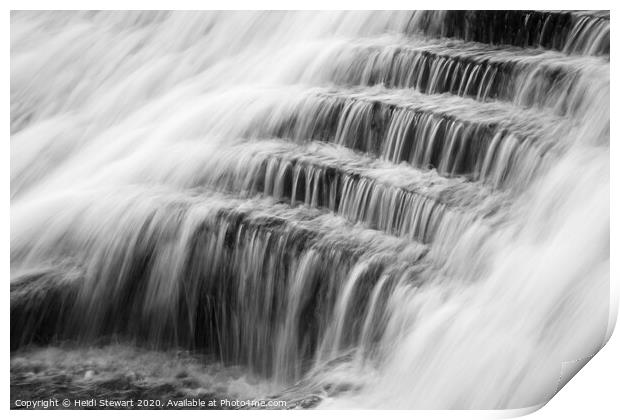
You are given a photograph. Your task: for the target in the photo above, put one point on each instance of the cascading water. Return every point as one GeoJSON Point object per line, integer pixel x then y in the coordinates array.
{"type": "Point", "coordinates": [356, 209]}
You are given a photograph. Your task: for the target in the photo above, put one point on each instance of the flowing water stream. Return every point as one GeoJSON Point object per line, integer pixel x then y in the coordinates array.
{"type": "Point", "coordinates": [371, 209]}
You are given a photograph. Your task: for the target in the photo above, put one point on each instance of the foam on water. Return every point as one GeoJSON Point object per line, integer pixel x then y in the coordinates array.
{"type": "Point", "coordinates": [346, 205]}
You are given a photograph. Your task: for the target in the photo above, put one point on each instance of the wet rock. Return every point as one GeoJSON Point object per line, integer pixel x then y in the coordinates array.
{"type": "Point", "coordinates": [309, 402]}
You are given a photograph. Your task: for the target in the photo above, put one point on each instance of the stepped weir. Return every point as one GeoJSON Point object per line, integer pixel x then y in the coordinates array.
{"type": "Point", "coordinates": [337, 209]}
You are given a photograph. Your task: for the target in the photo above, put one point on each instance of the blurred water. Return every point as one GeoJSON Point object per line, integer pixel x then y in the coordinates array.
{"type": "Point", "coordinates": [344, 204]}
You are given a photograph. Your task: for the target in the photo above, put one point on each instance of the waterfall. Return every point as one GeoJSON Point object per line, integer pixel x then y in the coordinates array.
{"type": "Point", "coordinates": [358, 209]}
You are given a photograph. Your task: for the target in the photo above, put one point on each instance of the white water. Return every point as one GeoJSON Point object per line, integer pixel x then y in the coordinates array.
{"type": "Point", "coordinates": [122, 118]}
